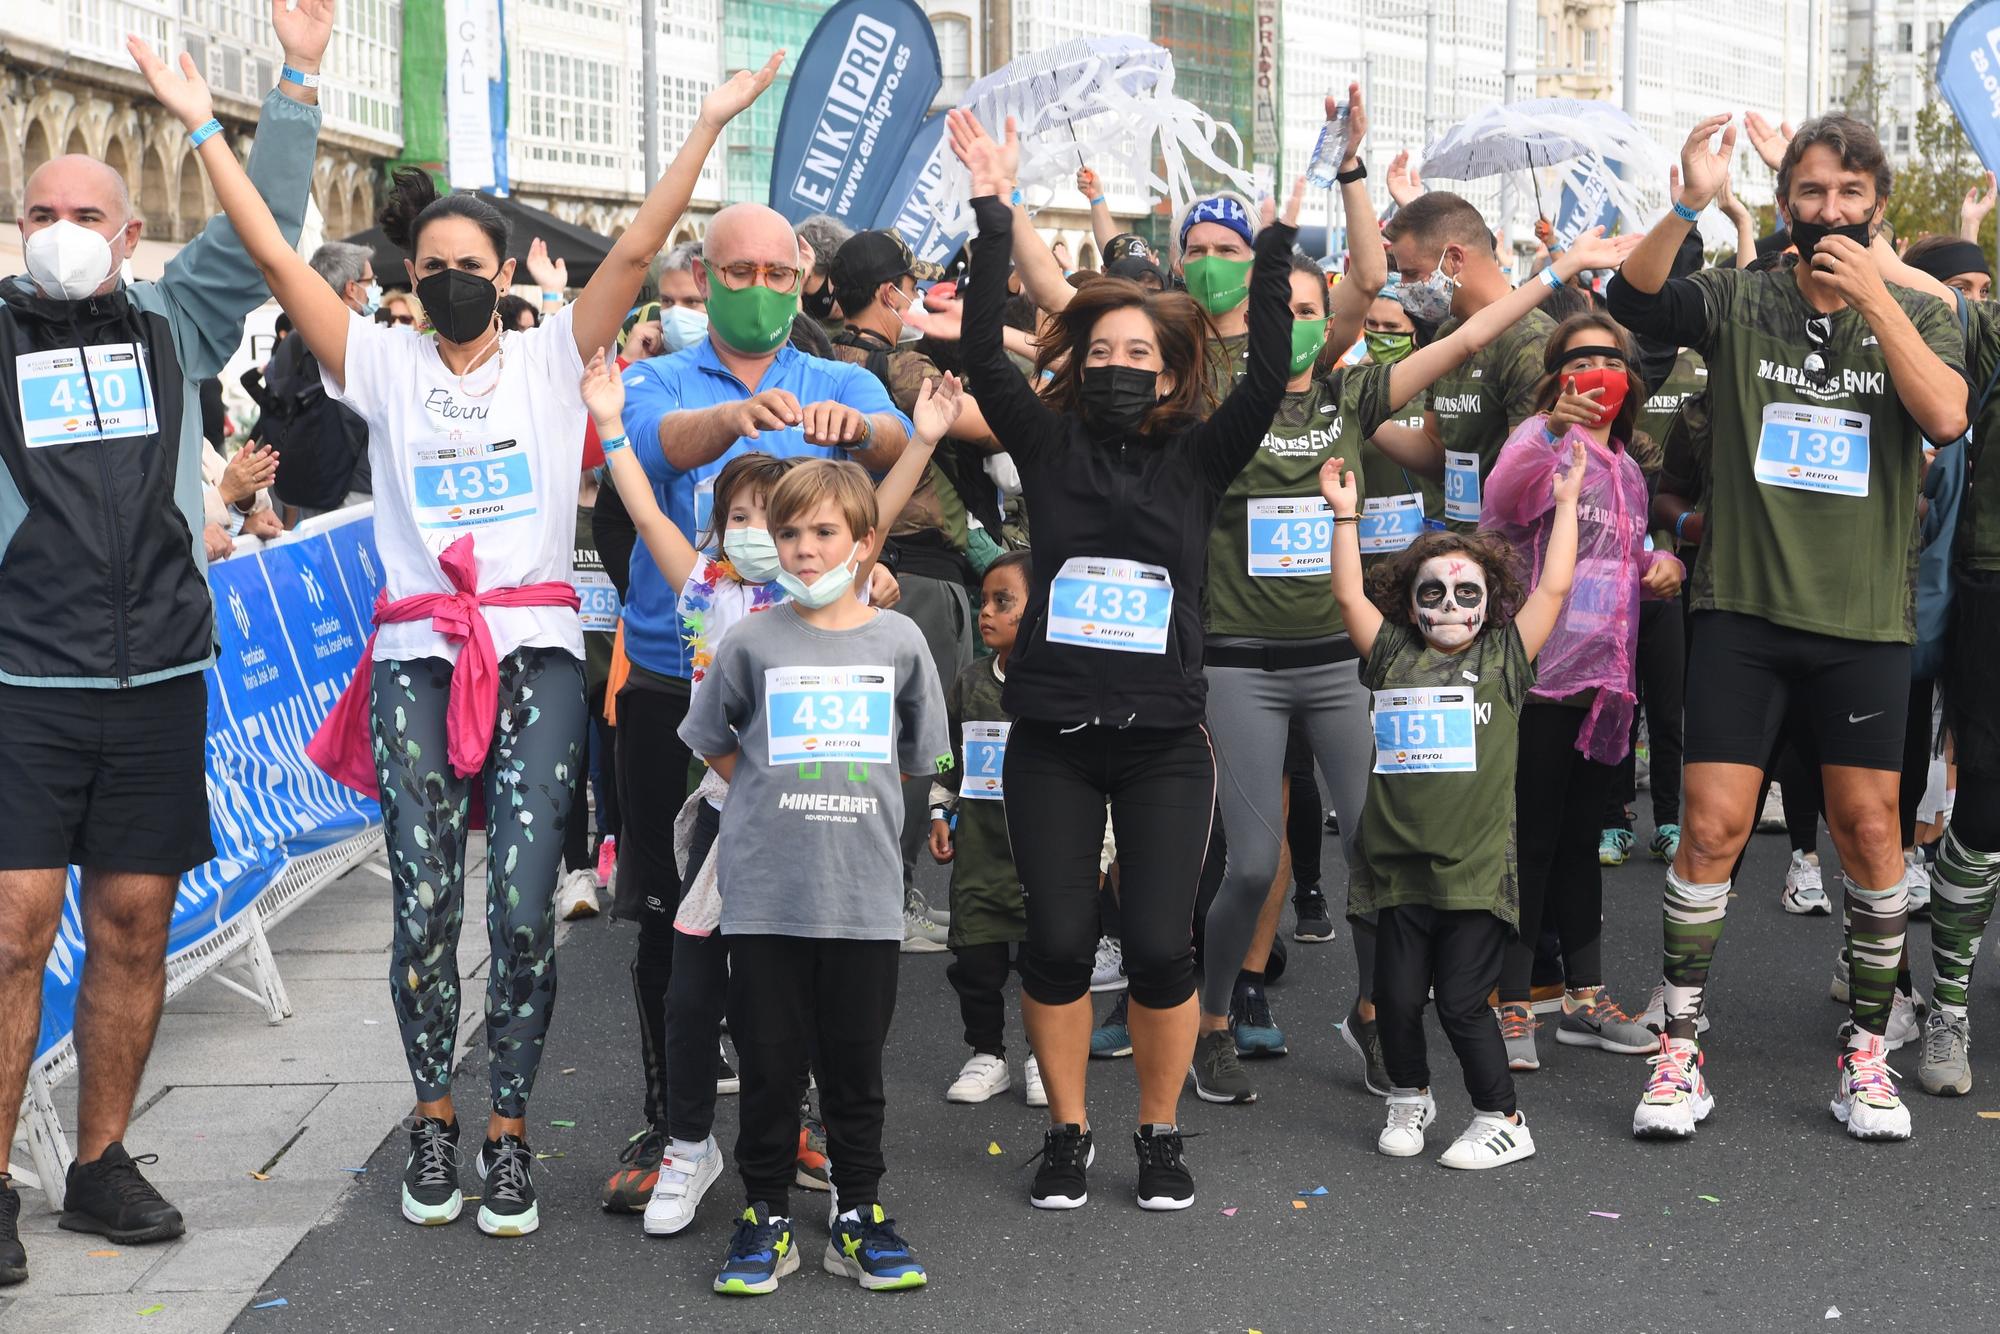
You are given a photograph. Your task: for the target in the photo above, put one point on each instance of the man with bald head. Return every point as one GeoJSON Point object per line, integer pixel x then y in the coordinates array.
{"type": "Point", "coordinates": [105, 620]}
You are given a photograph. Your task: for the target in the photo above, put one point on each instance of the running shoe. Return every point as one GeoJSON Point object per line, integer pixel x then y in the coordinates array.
{"type": "Point", "coordinates": [979, 1078]}
{"type": "Point", "coordinates": [760, 1253]}
{"type": "Point", "coordinates": [1360, 1034]}
{"type": "Point", "coordinates": [1332, 822]}
{"type": "Point", "coordinates": [507, 1166]}
{"type": "Point", "coordinates": [1517, 1030]}
{"type": "Point", "coordinates": [814, 1171]}
{"type": "Point", "coordinates": [607, 859]}
{"type": "Point", "coordinates": [1491, 1140]}
{"type": "Point", "coordinates": [1164, 1180]}
{"type": "Point", "coordinates": [1036, 1094]}
{"type": "Point", "coordinates": [1771, 815]}
{"type": "Point", "coordinates": [1654, 1020]}
{"type": "Point", "coordinates": [1066, 1154]}
{"type": "Point", "coordinates": [112, 1199]}
{"type": "Point", "coordinates": [1906, 1024]}
{"type": "Point", "coordinates": [1614, 846]}
{"type": "Point", "coordinates": [866, 1249]}
{"type": "Point", "coordinates": [1804, 891]}
{"type": "Point", "coordinates": [1947, 1066]}
{"type": "Point", "coordinates": [1596, 1021]}
{"type": "Point", "coordinates": [13, 1255]}
{"type": "Point", "coordinates": [921, 935]}
{"type": "Point", "coordinates": [576, 897]}
{"type": "Point", "coordinates": [1112, 1037]}
{"type": "Point", "coordinates": [940, 913]}
{"type": "Point", "coordinates": [1676, 1098]}
{"type": "Point", "coordinates": [727, 1081]}
{"type": "Point", "coordinates": [1107, 972]}
{"type": "Point", "coordinates": [632, 1185]}
{"type": "Point", "coordinates": [1218, 1075]}
{"type": "Point", "coordinates": [1666, 843]}
{"type": "Point", "coordinates": [1865, 1100]}
{"type": "Point", "coordinates": [1312, 922]}
{"type": "Point", "coordinates": [1837, 990]}
{"type": "Point", "coordinates": [685, 1176]}
{"type": "Point", "coordinates": [1917, 881]}
{"type": "Point", "coordinates": [1257, 1033]}
{"type": "Point", "coordinates": [430, 1174]}
{"type": "Point", "coordinates": [1410, 1111]}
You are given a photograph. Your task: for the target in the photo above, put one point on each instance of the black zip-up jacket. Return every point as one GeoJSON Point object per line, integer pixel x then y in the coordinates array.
{"type": "Point", "coordinates": [1141, 499]}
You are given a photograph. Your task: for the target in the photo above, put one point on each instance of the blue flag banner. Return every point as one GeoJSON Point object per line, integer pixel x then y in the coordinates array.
{"type": "Point", "coordinates": [911, 206]}
{"type": "Point", "coordinates": [290, 626]}
{"type": "Point", "coordinates": [857, 102]}
{"type": "Point", "coordinates": [1587, 205]}
{"type": "Point", "coordinates": [1968, 74]}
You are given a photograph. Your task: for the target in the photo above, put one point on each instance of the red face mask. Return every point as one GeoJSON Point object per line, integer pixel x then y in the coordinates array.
{"type": "Point", "coordinates": [1614, 382]}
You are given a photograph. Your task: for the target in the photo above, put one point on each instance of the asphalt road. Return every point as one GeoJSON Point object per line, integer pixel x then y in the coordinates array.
{"type": "Point", "coordinates": [1801, 1221]}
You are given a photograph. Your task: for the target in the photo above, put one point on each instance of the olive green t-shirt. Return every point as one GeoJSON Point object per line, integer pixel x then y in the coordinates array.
{"type": "Point", "coordinates": [1688, 377]}
{"type": "Point", "coordinates": [1812, 509]}
{"type": "Point", "coordinates": [1269, 571]}
{"type": "Point", "coordinates": [1442, 839]}
{"type": "Point", "coordinates": [1977, 542]}
{"type": "Point", "coordinates": [986, 903]}
{"type": "Point", "coordinates": [1227, 356]}
{"type": "Point", "coordinates": [1391, 485]}
{"type": "Point", "coordinates": [1479, 403]}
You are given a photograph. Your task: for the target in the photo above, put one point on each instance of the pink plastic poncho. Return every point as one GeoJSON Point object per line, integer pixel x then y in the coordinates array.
{"type": "Point", "coordinates": [1596, 639]}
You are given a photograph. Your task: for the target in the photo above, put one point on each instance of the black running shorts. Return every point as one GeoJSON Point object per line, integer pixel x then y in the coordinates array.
{"type": "Point", "coordinates": [1853, 695]}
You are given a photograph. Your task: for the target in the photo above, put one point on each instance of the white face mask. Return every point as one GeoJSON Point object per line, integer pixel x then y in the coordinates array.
{"type": "Point", "coordinates": [908, 333]}
{"type": "Point", "coordinates": [68, 261]}
{"type": "Point", "coordinates": [753, 553]}
{"type": "Point", "coordinates": [1448, 600]}
{"type": "Point", "coordinates": [824, 590]}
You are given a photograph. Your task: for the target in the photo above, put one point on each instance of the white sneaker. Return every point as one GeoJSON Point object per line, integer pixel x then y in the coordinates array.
{"type": "Point", "coordinates": [1917, 881]}
{"type": "Point", "coordinates": [1031, 1075]}
{"type": "Point", "coordinates": [576, 897]}
{"type": "Point", "coordinates": [920, 934]}
{"type": "Point", "coordinates": [1804, 891]}
{"type": "Point", "coordinates": [1655, 1016]}
{"type": "Point", "coordinates": [1490, 1141]}
{"type": "Point", "coordinates": [1108, 973]}
{"type": "Point", "coordinates": [979, 1079]}
{"type": "Point", "coordinates": [684, 1179]}
{"type": "Point", "coordinates": [1409, 1112]}
{"type": "Point", "coordinates": [1865, 1100]}
{"type": "Point", "coordinates": [1837, 991]}
{"type": "Point", "coordinates": [1676, 1098]}
{"type": "Point", "coordinates": [1771, 817]}
{"type": "Point", "coordinates": [1906, 1025]}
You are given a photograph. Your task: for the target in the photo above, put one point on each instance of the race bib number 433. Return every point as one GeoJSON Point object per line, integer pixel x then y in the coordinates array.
{"type": "Point", "coordinates": [1123, 605]}
{"type": "Point", "coordinates": [829, 713]}
{"type": "Point", "coordinates": [61, 401]}
{"type": "Point", "coordinates": [1808, 448]}
{"type": "Point", "coordinates": [463, 486]}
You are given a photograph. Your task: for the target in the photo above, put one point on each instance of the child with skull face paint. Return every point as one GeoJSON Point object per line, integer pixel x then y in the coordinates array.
{"type": "Point", "coordinates": [1448, 645]}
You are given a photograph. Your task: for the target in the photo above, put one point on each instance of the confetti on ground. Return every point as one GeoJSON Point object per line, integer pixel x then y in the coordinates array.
{"type": "Point", "coordinates": [1229, 1213]}
{"type": "Point", "coordinates": [1710, 1198]}
{"type": "Point", "coordinates": [1599, 1213]}
{"type": "Point", "coordinates": [357, 1171]}
{"type": "Point", "coordinates": [260, 1176]}
{"type": "Point", "coordinates": [540, 1156]}
{"type": "Point", "coordinates": [100, 1255]}
{"type": "Point", "coordinates": [569, 1069]}
{"type": "Point", "coordinates": [1298, 1204]}
{"type": "Point", "coordinates": [1316, 1190]}
{"type": "Point", "coordinates": [993, 1149]}
{"type": "Point", "coordinates": [566, 1125]}
{"type": "Point", "coordinates": [265, 1306]}
{"type": "Point", "coordinates": [153, 1310]}
{"type": "Point", "coordinates": [371, 1022]}
{"type": "Point", "coordinates": [1833, 1313]}
{"type": "Point", "coordinates": [1989, 1116]}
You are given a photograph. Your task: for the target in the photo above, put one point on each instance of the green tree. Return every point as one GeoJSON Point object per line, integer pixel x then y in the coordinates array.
{"type": "Point", "coordinates": [1942, 165]}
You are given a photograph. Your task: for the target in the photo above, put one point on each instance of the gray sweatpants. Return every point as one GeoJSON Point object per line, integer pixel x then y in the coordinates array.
{"type": "Point", "coordinates": [1249, 712]}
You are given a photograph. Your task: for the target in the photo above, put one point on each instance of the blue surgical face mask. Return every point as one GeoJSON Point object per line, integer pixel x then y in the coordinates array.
{"type": "Point", "coordinates": [824, 591]}
{"type": "Point", "coordinates": [681, 327]}
{"type": "Point", "coordinates": [371, 299]}
{"type": "Point", "coordinates": [753, 553]}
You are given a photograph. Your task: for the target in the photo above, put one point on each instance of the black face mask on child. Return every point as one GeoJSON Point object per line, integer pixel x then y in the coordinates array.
{"type": "Point", "coordinates": [1117, 398]}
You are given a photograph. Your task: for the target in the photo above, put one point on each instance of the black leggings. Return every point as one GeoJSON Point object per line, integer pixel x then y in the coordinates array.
{"type": "Point", "coordinates": [1161, 786]}
{"type": "Point", "coordinates": [1918, 735]}
{"type": "Point", "coordinates": [1662, 678]}
{"type": "Point", "coordinates": [652, 776]}
{"type": "Point", "coordinates": [1305, 828]}
{"type": "Point", "coordinates": [978, 973]}
{"type": "Point", "coordinates": [1418, 950]}
{"type": "Point", "coordinates": [697, 998]}
{"type": "Point", "coordinates": [1558, 795]}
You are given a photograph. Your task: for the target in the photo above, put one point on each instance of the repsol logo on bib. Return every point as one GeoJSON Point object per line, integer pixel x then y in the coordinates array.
{"type": "Point", "coordinates": [1838, 384]}
{"type": "Point", "coordinates": [1314, 441]}
{"type": "Point", "coordinates": [1454, 404]}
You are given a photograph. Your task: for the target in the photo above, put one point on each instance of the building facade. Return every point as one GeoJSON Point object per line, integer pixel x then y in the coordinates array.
{"type": "Point", "coordinates": [1893, 44]}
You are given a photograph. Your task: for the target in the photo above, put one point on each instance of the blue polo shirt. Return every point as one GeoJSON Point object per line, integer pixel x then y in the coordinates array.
{"type": "Point", "coordinates": [696, 378]}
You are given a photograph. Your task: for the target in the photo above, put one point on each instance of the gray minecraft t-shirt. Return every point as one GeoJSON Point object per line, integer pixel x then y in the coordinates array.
{"type": "Point", "coordinates": [826, 723]}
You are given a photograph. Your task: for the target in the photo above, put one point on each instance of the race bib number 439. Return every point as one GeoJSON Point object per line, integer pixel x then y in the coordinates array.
{"type": "Point", "coordinates": [62, 401]}
{"type": "Point", "coordinates": [1122, 605]}
{"type": "Point", "coordinates": [1290, 538]}
{"type": "Point", "coordinates": [1425, 731]}
{"type": "Point", "coordinates": [829, 713]}
{"type": "Point", "coordinates": [463, 486]}
{"type": "Point", "coordinates": [1804, 447]}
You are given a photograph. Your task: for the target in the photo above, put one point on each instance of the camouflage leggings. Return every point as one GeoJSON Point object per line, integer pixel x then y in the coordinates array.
{"type": "Point", "coordinates": [528, 784]}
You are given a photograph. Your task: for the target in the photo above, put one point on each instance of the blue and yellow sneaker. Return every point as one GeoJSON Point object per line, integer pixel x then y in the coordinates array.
{"type": "Point", "coordinates": [760, 1254]}
{"type": "Point", "coordinates": [867, 1250]}
{"type": "Point", "coordinates": [1614, 846]}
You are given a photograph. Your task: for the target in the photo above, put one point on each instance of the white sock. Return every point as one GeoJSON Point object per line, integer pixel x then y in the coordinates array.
{"type": "Point", "coordinates": [692, 1150]}
{"type": "Point", "coordinates": [851, 1216]}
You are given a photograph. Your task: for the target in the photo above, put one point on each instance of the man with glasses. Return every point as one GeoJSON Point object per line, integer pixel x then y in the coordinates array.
{"type": "Point", "coordinates": [1824, 383]}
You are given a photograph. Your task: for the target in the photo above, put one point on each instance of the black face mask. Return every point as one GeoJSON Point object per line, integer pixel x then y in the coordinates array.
{"type": "Point", "coordinates": [1807, 235]}
{"type": "Point", "coordinates": [1117, 398]}
{"type": "Point", "coordinates": [458, 304]}
{"type": "Point", "coordinates": [818, 304]}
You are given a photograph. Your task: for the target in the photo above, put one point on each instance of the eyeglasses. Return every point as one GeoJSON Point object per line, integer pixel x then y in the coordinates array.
{"type": "Point", "coordinates": [1819, 332]}
{"type": "Point", "coordinates": [779, 278]}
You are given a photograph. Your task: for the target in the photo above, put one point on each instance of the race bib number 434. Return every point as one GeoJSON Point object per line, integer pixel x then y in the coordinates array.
{"type": "Point", "coordinates": [463, 486]}
{"type": "Point", "coordinates": [63, 401]}
{"type": "Point", "coordinates": [1425, 731]}
{"type": "Point", "coordinates": [1123, 605]}
{"type": "Point", "coordinates": [1804, 447]}
{"type": "Point", "coordinates": [829, 713]}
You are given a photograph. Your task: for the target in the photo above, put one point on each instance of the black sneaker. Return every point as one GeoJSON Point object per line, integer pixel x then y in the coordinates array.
{"type": "Point", "coordinates": [13, 1255]}
{"type": "Point", "coordinates": [1164, 1180]}
{"type": "Point", "coordinates": [430, 1175]}
{"type": "Point", "coordinates": [1367, 1043]}
{"type": "Point", "coordinates": [1218, 1075]}
{"type": "Point", "coordinates": [1257, 1034]}
{"type": "Point", "coordinates": [1313, 922]}
{"type": "Point", "coordinates": [110, 1198]}
{"type": "Point", "coordinates": [727, 1081]}
{"type": "Point", "coordinates": [1332, 822]}
{"type": "Point", "coordinates": [507, 1167]}
{"type": "Point", "coordinates": [1059, 1182]}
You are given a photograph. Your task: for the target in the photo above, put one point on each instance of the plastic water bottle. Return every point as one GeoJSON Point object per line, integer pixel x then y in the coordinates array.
{"type": "Point", "coordinates": [1328, 150]}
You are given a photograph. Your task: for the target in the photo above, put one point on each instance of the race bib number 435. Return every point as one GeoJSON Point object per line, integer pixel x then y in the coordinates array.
{"type": "Point", "coordinates": [1804, 447]}
{"type": "Point", "coordinates": [462, 486]}
{"type": "Point", "coordinates": [822, 713]}
{"type": "Point", "coordinates": [1123, 605]}
{"type": "Point", "coordinates": [62, 401]}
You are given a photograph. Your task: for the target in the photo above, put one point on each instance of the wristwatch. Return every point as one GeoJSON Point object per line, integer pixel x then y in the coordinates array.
{"type": "Point", "coordinates": [1360, 173]}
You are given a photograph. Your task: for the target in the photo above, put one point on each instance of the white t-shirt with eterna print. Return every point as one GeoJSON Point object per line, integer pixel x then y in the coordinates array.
{"type": "Point", "coordinates": [500, 462]}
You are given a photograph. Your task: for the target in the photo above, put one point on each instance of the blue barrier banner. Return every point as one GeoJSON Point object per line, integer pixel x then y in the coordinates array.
{"type": "Point", "coordinates": [910, 207]}
{"type": "Point", "coordinates": [290, 625]}
{"type": "Point", "coordinates": [856, 103]}
{"type": "Point", "coordinates": [1968, 74]}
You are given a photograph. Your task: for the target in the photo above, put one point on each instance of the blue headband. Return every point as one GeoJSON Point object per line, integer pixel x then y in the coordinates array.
{"type": "Point", "coordinates": [1223, 210]}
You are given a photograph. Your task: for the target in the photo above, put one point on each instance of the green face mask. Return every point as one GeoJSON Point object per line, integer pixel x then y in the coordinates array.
{"type": "Point", "coordinates": [1308, 337]}
{"type": "Point", "coordinates": [753, 321]}
{"type": "Point", "coordinates": [1219, 285]}
{"type": "Point", "coordinates": [1386, 349]}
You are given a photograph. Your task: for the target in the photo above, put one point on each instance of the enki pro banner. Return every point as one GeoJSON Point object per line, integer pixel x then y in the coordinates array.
{"type": "Point", "coordinates": [291, 621]}
{"type": "Point", "coordinates": [1968, 74]}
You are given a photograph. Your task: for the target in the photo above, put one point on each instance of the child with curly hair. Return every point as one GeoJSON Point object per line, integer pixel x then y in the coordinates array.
{"type": "Point", "coordinates": [1448, 643]}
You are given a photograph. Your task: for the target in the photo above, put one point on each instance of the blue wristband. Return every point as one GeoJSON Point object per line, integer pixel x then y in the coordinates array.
{"type": "Point", "coordinates": [203, 133]}
{"type": "Point", "coordinates": [1684, 213]}
{"type": "Point", "coordinates": [299, 77]}
{"type": "Point", "coordinates": [611, 447]}
{"type": "Point", "coordinates": [1015, 198]}
{"type": "Point", "coordinates": [1095, 202]}
{"type": "Point", "coordinates": [1679, 524]}
{"type": "Point", "coordinates": [1548, 276]}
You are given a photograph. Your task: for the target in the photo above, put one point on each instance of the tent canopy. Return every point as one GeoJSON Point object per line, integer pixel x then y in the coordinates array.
{"type": "Point", "coordinates": [581, 249]}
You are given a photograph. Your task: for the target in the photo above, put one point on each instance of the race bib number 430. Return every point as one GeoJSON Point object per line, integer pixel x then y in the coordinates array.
{"type": "Point", "coordinates": [1425, 731]}
{"type": "Point", "coordinates": [829, 713]}
{"type": "Point", "coordinates": [62, 401]}
{"type": "Point", "coordinates": [463, 486]}
{"type": "Point", "coordinates": [1808, 448]}
{"type": "Point", "coordinates": [1122, 605]}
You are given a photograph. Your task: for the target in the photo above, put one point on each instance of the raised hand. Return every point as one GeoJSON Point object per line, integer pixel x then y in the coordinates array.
{"type": "Point", "coordinates": [1705, 170]}
{"type": "Point", "coordinates": [1732, 208]}
{"type": "Point", "coordinates": [938, 404]}
{"type": "Point", "coordinates": [250, 470]}
{"type": "Point", "coordinates": [1977, 205]}
{"type": "Point", "coordinates": [1336, 486]}
{"type": "Point", "coordinates": [603, 392]}
{"type": "Point", "coordinates": [1569, 485]}
{"type": "Point", "coordinates": [1402, 179]}
{"type": "Point", "coordinates": [1769, 143]}
{"type": "Point", "coordinates": [1595, 250]}
{"type": "Point", "coordinates": [1357, 121]}
{"type": "Point", "coordinates": [994, 166]}
{"type": "Point", "coordinates": [549, 275]}
{"type": "Point", "coordinates": [1290, 217]}
{"type": "Point", "coordinates": [728, 100]}
{"type": "Point", "coordinates": [942, 316]}
{"type": "Point", "coordinates": [184, 93]}
{"type": "Point", "coordinates": [1087, 183]}
{"type": "Point", "coordinates": [304, 27]}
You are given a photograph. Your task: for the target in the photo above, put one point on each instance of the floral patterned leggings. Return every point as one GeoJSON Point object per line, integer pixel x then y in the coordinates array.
{"type": "Point", "coordinates": [529, 782]}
